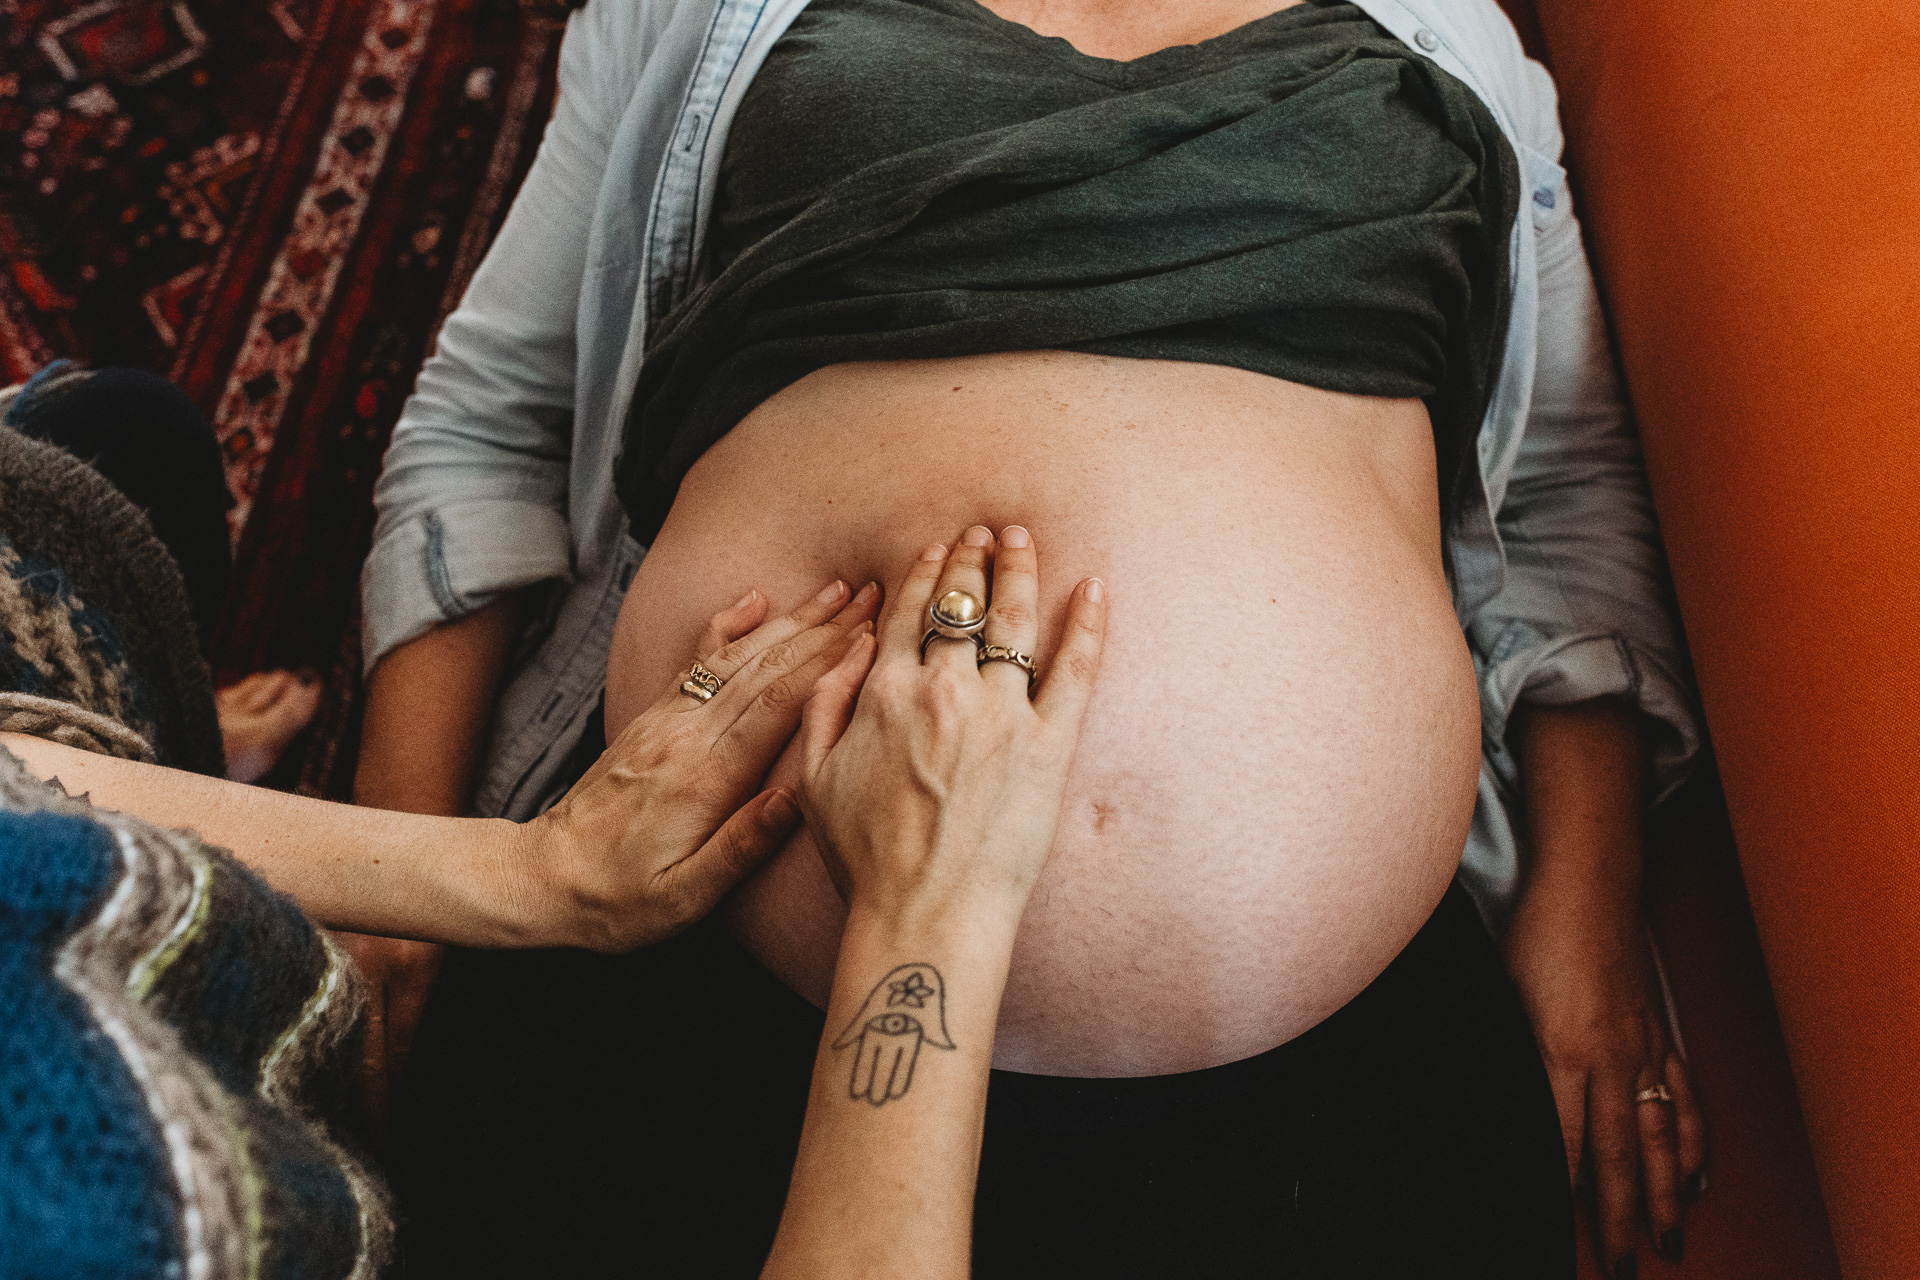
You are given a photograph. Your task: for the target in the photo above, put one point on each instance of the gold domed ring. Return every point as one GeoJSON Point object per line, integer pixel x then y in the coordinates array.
{"type": "Point", "coordinates": [701, 684]}
{"type": "Point", "coordinates": [935, 633]}
{"type": "Point", "coordinates": [957, 615]}
{"type": "Point", "coordinates": [1001, 653]}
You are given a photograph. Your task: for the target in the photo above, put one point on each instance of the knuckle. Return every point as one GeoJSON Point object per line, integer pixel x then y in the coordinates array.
{"type": "Point", "coordinates": [784, 656]}
{"type": "Point", "coordinates": [1080, 667]}
{"type": "Point", "coordinates": [781, 697]}
{"type": "Point", "coordinates": [1012, 613]}
{"type": "Point", "coordinates": [943, 694]}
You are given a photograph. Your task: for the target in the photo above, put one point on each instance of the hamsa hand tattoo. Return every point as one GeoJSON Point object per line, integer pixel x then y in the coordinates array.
{"type": "Point", "coordinates": [908, 1008]}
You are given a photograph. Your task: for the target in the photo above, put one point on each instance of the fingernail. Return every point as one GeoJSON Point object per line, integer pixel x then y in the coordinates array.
{"type": "Point", "coordinates": [1627, 1268]}
{"type": "Point", "coordinates": [1096, 590]}
{"type": "Point", "coordinates": [867, 593]}
{"type": "Point", "coordinates": [831, 592]}
{"type": "Point", "coordinates": [1690, 1189]}
{"type": "Point", "coordinates": [978, 536]}
{"type": "Point", "coordinates": [1670, 1246]}
{"type": "Point", "coordinates": [745, 600]}
{"type": "Point", "coordinates": [938, 551]}
{"type": "Point", "coordinates": [1014, 536]}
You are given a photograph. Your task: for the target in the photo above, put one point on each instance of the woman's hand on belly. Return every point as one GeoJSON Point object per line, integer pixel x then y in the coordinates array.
{"type": "Point", "coordinates": [935, 790]}
{"type": "Point", "coordinates": [673, 814]}
{"type": "Point", "coordinates": [943, 791]}
{"type": "Point", "coordinates": [1277, 771]}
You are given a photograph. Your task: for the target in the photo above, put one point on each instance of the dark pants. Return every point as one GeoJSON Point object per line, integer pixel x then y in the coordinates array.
{"type": "Point", "coordinates": [568, 1114]}
{"type": "Point", "coordinates": [144, 435]}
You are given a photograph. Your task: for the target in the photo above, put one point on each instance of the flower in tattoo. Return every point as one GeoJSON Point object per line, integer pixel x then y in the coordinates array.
{"type": "Point", "coordinates": [889, 1038]}
{"type": "Point", "coordinates": [912, 990]}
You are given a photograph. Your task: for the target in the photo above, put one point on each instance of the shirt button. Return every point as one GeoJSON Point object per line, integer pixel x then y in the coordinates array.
{"type": "Point", "coordinates": [1426, 39]}
{"type": "Point", "coordinates": [1544, 197]}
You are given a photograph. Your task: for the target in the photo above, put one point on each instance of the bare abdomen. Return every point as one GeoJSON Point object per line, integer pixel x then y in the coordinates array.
{"type": "Point", "coordinates": [1276, 776]}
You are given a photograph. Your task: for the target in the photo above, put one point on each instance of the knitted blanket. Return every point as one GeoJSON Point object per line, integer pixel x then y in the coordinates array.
{"type": "Point", "coordinates": [97, 644]}
{"type": "Point", "coordinates": [172, 1033]}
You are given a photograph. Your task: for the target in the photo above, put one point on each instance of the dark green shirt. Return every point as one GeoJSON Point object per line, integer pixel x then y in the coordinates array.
{"type": "Point", "coordinates": [1304, 196]}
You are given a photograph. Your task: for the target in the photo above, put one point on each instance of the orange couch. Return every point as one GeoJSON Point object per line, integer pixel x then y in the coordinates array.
{"type": "Point", "coordinates": [1749, 173]}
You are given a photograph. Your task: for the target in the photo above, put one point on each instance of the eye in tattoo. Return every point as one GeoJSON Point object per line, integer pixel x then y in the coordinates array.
{"type": "Point", "coordinates": [906, 1009]}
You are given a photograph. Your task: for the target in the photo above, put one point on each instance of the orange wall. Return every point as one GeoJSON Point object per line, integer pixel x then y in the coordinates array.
{"type": "Point", "coordinates": [1750, 171]}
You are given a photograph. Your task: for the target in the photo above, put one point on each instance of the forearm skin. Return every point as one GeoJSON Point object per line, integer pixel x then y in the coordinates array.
{"type": "Point", "coordinates": [885, 1189]}
{"type": "Point", "coordinates": [454, 880]}
{"type": "Point", "coordinates": [1585, 770]}
{"type": "Point", "coordinates": [429, 705]}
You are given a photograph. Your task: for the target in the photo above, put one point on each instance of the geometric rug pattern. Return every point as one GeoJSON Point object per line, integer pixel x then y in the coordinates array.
{"type": "Point", "coordinates": [274, 203]}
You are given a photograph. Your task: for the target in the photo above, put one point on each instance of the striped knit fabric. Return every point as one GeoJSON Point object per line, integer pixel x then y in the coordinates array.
{"type": "Point", "coordinates": [173, 1036]}
{"type": "Point", "coordinates": [97, 644]}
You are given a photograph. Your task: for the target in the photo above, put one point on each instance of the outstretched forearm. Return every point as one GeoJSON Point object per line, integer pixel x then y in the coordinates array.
{"type": "Point", "coordinates": [404, 875]}
{"type": "Point", "coordinates": [884, 1182]}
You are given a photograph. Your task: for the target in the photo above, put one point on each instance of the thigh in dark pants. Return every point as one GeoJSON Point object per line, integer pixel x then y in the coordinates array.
{"type": "Point", "coordinates": [575, 1115]}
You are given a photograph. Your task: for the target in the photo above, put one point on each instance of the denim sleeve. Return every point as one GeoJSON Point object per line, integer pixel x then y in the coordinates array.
{"type": "Point", "coordinates": [472, 498]}
{"type": "Point", "coordinates": [1587, 609]}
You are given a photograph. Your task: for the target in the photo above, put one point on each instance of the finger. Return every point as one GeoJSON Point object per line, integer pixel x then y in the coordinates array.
{"type": "Point", "coordinates": [829, 710]}
{"type": "Point", "coordinates": [728, 659]}
{"type": "Point", "coordinates": [732, 622]}
{"type": "Point", "coordinates": [966, 570]}
{"type": "Point", "coordinates": [1614, 1137]}
{"type": "Point", "coordinates": [1690, 1128]}
{"type": "Point", "coordinates": [751, 744]}
{"type": "Point", "coordinates": [781, 676]}
{"type": "Point", "coordinates": [1660, 1169]}
{"type": "Point", "coordinates": [1068, 684]}
{"type": "Point", "coordinates": [866, 1064]}
{"type": "Point", "coordinates": [1013, 619]}
{"type": "Point", "coordinates": [905, 620]}
{"type": "Point", "coordinates": [693, 886]}
{"type": "Point", "coordinates": [1570, 1100]}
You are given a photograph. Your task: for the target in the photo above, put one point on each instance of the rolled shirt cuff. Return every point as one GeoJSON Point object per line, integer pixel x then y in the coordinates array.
{"type": "Point", "coordinates": [447, 562]}
{"type": "Point", "coordinates": [1569, 669]}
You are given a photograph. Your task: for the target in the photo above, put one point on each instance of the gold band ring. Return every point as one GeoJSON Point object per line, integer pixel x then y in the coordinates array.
{"type": "Point", "coordinates": [1654, 1093]}
{"type": "Point", "coordinates": [701, 683]}
{"type": "Point", "coordinates": [935, 633]}
{"type": "Point", "coordinates": [1001, 653]}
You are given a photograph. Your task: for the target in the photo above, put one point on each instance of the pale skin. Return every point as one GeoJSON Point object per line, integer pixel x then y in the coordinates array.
{"type": "Point", "coordinates": [663, 824]}
{"type": "Point", "coordinates": [1577, 945]}
{"type": "Point", "coordinates": [936, 788]}
{"type": "Point", "coordinates": [934, 801]}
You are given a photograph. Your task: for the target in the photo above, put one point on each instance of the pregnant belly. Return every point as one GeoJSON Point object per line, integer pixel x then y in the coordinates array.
{"type": "Point", "coordinates": [1277, 773]}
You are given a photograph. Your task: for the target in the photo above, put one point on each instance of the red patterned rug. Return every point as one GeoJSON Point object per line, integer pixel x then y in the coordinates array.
{"type": "Point", "coordinates": [273, 202]}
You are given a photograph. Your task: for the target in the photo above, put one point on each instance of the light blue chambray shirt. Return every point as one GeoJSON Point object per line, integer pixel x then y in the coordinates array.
{"type": "Point", "coordinates": [500, 474]}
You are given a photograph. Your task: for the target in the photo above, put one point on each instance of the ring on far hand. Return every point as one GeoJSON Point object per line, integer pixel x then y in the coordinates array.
{"type": "Point", "coordinates": [935, 633]}
{"type": "Point", "coordinates": [1654, 1093]}
{"type": "Point", "coordinates": [1002, 653]}
{"type": "Point", "coordinates": [701, 683]}
{"type": "Point", "coordinates": [957, 615]}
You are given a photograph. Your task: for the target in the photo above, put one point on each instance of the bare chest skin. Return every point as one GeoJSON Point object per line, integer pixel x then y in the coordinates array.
{"type": "Point", "coordinates": [1277, 773]}
{"type": "Point", "coordinates": [1127, 29]}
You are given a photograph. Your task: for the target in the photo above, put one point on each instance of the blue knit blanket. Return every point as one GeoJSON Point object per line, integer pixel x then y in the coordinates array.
{"type": "Point", "coordinates": [174, 1037]}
